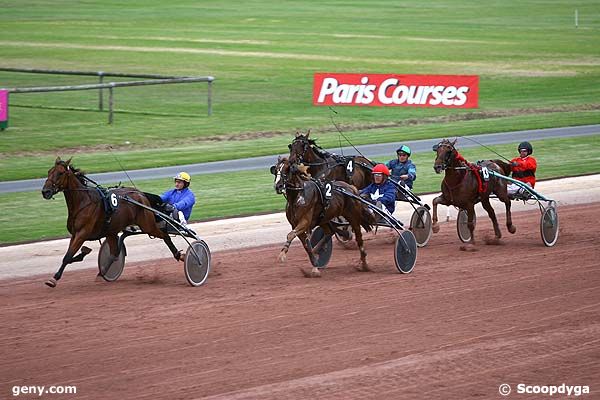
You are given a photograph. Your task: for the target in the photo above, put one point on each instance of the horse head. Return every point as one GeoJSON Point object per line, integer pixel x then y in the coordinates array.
{"type": "Point", "coordinates": [445, 153]}
{"type": "Point", "coordinates": [300, 147]}
{"type": "Point", "coordinates": [58, 178]}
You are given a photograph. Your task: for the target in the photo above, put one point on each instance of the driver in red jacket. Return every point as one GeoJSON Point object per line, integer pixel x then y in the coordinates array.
{"type": "Point", "coordinates": [523, 169]}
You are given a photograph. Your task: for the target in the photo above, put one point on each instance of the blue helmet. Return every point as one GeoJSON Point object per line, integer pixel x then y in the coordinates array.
{"type": "Point", "coordinates": [404, 148]}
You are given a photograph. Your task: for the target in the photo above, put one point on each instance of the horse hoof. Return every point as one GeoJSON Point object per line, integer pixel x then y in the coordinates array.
{"type": "Point", "coordinates": [363, 268]}
{"type": "Point", "coordinates": [468, 247]}
{"type": "Point", "coordinates": [315, 273]}
{"type": "Point", "coordinates": [180, 255]}
{"type": "Point", "coordinates": [495, 241]}
{"type": "Point", "coordinates": [51, 282]}
{"type": "Point", "coordinates": [85, 250]}
{"type": "Point", "coordinates": [435, 228]}
{"type": "Point", "coordinates": [282, 257]}
{"type": "Point", "coordinates": [512, 229]}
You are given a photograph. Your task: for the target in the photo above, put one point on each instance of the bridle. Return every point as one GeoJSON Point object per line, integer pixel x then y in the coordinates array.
{"type": "Point", "coordinates": [55, 188]}
{"type": "Point", "coordinates": [448, 156]}
{"type": "Point", "coordinates": [54, 183]}
{"type": "Point", "coordinates": [283, 177]}
{"type": "Point", "coordinates": [300, 157]}
{"type": "Point", "coordinates": [68, 170]}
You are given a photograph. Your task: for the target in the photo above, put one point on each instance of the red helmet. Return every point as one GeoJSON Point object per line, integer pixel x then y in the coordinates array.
{"type": "Point", "coordinates": [381, 169]}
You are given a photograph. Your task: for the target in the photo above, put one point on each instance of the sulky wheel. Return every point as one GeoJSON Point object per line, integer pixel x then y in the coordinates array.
{"type": "Point", "coordinates": [549, 226]}
{"type": "Point", "coordinates": [420, 225]}
{"type": "Point", "coordinates": [110, 272]}
{"type": "Point", "coordinates": [196, 264]}
{"type": "Point", "coordinates": [405, 253]}
{"type": "Point", "coordinates": [321, 255]}
{"type": "Point", "coordinates": [464, 234]}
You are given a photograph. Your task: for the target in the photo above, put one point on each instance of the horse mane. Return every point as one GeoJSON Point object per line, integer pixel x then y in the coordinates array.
{"type": "Point", "coordinates": [79, 174]}
{"type": "Point", "coordinates": [319, 151]}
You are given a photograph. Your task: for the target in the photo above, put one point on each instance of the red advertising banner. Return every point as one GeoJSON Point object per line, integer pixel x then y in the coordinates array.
{"type": "Point", "coordinates": [383, 90]}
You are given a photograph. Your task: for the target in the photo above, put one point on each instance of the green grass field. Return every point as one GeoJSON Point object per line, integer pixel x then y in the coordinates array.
{"type": "Point", "coordinates": [537, 70]}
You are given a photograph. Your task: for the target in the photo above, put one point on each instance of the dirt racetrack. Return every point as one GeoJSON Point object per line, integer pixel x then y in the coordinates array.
{"type": "Point", "coordinates": [457, 327]}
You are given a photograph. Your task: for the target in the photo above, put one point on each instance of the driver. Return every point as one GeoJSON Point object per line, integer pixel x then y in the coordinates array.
{"type": "Point", "coordinates": [381, 192]}
{"type": "Point", "coordinates": [523, 169]}
{"type": "Point", "coordinates": [180, 200]}
{"type": "Point", "coordinates": [403, 170]}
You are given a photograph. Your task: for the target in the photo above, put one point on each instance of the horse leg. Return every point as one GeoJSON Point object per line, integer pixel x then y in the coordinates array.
{"type": "Point", "coordinates": [434, 221]}
{"type": "Point", "coordinates": [485, 202]}
{"type": "Point", "coordinates": [283, 253]}
{"type": "Point", "coordinates": [470, 245]}
{"type": "Point", "coordinates": [314, 272]}
{"type": "Point", "coordinates": [503, 197]}
{"type": "Point", "coordinates": [113, 244]}
{"type": "Point", "coordinates": [327, 233]}
{"type": "Point", "coordinates": [361, 246]}
{"type": "Point", "coordinates": [177, 254]}
{"type": "Point", "coordinates": [300, 229]}
{"type": "Point", "coordinates": [74, 245]}
{"type": "Point", "coordinates": [149, 226]}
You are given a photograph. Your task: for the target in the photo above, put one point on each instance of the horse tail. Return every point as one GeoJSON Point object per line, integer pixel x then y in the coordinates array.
{"type": "Point", "coordinates": [505, 167]}
{"type": "Point", "coordinates": [154, 199]}
{"type": "Point", "coordinates": [367, 220]}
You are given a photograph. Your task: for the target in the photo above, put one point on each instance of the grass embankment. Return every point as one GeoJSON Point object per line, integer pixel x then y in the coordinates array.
{"type": "Point", "coordinates": [26, 216]}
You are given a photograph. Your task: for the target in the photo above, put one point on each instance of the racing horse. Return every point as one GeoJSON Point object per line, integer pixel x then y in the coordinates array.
{"type": "Point", "coordinates": [310, 205]}
{"type": "Point", "coordinates": [463, 187]}
{"type": "Point", "coordinates": [89, 218]}
{"type": "Point", "coordinates": [325, 165]}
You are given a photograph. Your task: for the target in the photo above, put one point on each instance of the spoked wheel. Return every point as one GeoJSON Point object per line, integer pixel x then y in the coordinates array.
{"type": "Point", "coordinates": [549, 226]}
{"type": "Point", "coordinates": [197, 263]}
{"type": "Point", "coordinates": [420, 225]}
{"type": "Point", "coordinates": [405, 254]}
{"type": "Point", "coordinates": [464, 234]}
{"type": "Point", "coordinates": [323, 254]}
{"type": "Point", "coordinates": [110, 271]}
{"type": "Point", "coordinates": [343, 232]}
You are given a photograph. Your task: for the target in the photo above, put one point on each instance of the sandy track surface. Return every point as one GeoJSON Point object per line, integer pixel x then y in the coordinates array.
{"type": "Point", "coordinates": [457, 327]}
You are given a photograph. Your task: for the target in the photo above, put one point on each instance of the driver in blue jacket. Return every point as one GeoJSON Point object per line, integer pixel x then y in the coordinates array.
{"type": "Point", "coordinates": [180, 200]}
{"type": "Point", "coordinates": [381, 191]}
{"type": "Point", "coordinates": [403, 170]}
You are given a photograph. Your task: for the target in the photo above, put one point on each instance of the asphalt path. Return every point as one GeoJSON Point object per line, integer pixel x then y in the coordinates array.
{"type": "Point", "coordinates": [372, 151]}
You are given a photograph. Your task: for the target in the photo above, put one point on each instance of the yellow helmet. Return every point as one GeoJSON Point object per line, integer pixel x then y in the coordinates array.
{"type": "Point", "coordinates": [183, 176]}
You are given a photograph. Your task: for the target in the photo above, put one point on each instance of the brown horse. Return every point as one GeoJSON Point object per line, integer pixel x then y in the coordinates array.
{"type": "Point", "coordinates": [463, 187]}
{"type": "Point", "coordinates": [89, 220]}
{"type": "Point", "coordinates": [310, 205]}
{"type": "Point", "coordinates": [328, 166]}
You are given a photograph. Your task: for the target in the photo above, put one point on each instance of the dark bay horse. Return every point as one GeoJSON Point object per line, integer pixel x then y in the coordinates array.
{"type": "Point", "coordinates": [328, 166]}
{"type": "Point", "coordinates": [88, 219]}
{"type": "Point", "coordinates": [463, 187]}
{"type": "Point", "coordinates": [309, 205]}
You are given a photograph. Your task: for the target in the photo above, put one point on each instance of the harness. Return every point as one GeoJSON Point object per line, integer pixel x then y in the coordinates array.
{"type": "Point", "coordinates": [109, 200]}
{"type": "Point", "coordinates": [477, 170]}
{"type": "Point", "coordinates": [330, 160]}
